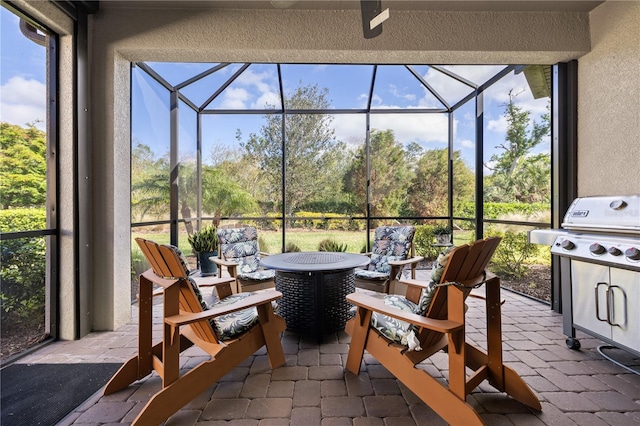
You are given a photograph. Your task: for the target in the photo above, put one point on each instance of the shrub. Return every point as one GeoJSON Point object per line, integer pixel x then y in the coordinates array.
{"type": "Point", "coordinates": [22, 278]}
{"type": "Point", "coordinates": [512, 254]}
{"type": "Point", "coordinates": [139, 263]}
{"type": "Point", "coordinates": [498, 210]}
{"type": "Point", "coordinates": [23, 266]}
{"type": "Point", "coordinates": [22, 220]}
{"type": "Point", "coordinates": [329, 244]}
{"type": "Point", "coordinates": [262, 243]}
{"type": "Point", "coordinates": [423, 242]}
{"type": "Point", "coordinates": [291, 247]}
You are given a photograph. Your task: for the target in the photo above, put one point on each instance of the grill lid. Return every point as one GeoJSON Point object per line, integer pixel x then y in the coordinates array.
{"type": "Point", "coordinates": [619, 213]}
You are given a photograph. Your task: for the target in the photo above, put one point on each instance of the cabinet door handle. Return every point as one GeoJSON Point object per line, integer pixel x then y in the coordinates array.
{"type": "Point", "coordinates": [597, 299]}
{"type": "Point", "coordinates": [611, 306]}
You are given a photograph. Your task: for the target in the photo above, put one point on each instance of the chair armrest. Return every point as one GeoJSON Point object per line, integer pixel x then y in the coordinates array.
{"type": "Point", "coordinates": [377, 305]}
{"type": "Point", "coordinates": [213, 282]}
{"type": "Point", "coordinates": [414, 283]}
{"type": "Point", "coordinates": [254, 300]}
{"type": "Point", "coordinates": [414, 260]}
{"type": "Point", "coordinates": [223, 262]}
{"type": "Point", "coordinates": [263, 253]}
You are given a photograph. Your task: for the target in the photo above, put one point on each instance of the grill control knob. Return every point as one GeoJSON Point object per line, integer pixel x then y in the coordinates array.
{"type": "Point", "coordinates": [567, 245]}
{"type": "Point", "coordinates": [596, 248]}
{"type": "Point", "coordinates": [614, 251]}
{"type": "Point", "coordinates": [632, 253]}
{"type": "Point", "coordinates": [618, 204]}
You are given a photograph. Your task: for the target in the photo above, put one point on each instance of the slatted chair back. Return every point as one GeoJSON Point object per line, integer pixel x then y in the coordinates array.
{"type": "Point", "coordinates": [166, 262]}
{"type": "Point", "coordinates": [466, 263]}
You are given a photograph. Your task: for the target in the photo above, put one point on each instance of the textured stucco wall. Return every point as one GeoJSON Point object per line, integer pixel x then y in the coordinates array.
{"type": "Point", "coordinates": [609, 102]}
{"type": "Point", "coordinates": [336, 36]}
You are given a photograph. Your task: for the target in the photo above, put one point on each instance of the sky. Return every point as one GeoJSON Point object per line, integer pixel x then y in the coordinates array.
{"type": "Point", "coordinates": [23, 70]}
{"type": "Point", "coordinates": [23, 99]}
{"type": "Point", "coordinates": [348, 86]}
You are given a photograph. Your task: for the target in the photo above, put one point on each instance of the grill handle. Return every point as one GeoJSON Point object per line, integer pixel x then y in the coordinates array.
{"type": "Point", "coordinates": [611, 306]}
{"type": "Point", "coordinates": [597, 298]}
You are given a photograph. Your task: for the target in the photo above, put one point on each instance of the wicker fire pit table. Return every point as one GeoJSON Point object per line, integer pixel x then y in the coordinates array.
{"type": "Point", "coordinates": [313, 287]}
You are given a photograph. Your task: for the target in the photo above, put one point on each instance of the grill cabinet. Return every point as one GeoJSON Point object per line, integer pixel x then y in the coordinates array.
{"type": "Point", "coordinates": [599, 250]}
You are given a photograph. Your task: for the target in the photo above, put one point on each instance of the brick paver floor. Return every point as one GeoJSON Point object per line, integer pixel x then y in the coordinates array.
{"type": "Point", "coordinates": [575, 387]}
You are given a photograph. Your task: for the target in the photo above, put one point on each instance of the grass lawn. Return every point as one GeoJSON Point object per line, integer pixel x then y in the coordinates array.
{"type": "Point", "coordinates": [308, 240]}
{"type": "Point", "coordinates": [271, 241]}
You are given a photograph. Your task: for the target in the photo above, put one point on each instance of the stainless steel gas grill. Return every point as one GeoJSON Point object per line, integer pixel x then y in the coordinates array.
{"type": "Point", "coordinates": [599, 249]}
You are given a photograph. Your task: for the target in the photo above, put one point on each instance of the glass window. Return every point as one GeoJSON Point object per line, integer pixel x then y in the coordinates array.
{"type": "Point", "coordinates": [256, 87]}
{"type": "Point", "coordinates": [347, 86]}
{"type": "Point", "coordinates": [150, 139]}
{"type": "Point", "coordinates": [397, 88]}
{"type": "Point", "coordinates": [464, 165]}
{"type": "Point", "coordinates": [327, 168]}
{"type": "Point", "coordinates": [27, 186]}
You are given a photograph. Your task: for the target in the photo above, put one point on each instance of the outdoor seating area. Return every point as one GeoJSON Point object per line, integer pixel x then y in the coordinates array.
{"type": "Point", "coordinates": [273, 213]}
{"type": "Point", "coordinates": [312, 386]}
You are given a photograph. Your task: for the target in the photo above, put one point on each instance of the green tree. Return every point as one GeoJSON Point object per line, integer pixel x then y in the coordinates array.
{"type": "Point", "coordinates": [429, 188]}
{"type": "Point", "coordinates": [223, 196]}
{"type": "Point", "coordinates": [311, 153]}
{"type": "Point", "coordinates": [517, 176]}
{"type": "Point", "coordinates": [389, 178]}
{"type": "Point", "coordinates": [151, 186]}
{"type": "Point", "coordinates": [151, 189]}
{"type": "Point", "coordinates": [23, 166]}
{"type": "Point", "coordinates": [242, 174]}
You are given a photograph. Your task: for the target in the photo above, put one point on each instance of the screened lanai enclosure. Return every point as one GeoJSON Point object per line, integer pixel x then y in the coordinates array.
{"type": "Point", "coordinates": [309, 152]}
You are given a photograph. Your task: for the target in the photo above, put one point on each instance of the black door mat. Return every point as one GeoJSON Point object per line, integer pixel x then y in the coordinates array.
{"type": "Point", "coordinates": [43, 394]}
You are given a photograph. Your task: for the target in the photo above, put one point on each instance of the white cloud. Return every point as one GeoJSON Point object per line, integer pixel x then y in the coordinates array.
{"type": "Point", "coordinates": [421, 128]}
{"type": "Point", "coordinates": [477, 74]}
{"type": "Point", "coordinates": [467, 143]}
{"type": "Point", "coordinates": [375, 100]}
{"type": "Point", "coordinates": [23, 101]}
{"type": "Point", "coordinates": [450, 89]}
{"type": "Point", "coordinates": [393, 89]}
{"type": "Point", "coordinates": [261, 87]}
{"type": "Point", "coordinates": [349, 128]}
{"type": "Point", "coordinates": [499, 126]}
{"type": "Point", "coordinates": [235, 98]}
{"type": "Point", "coordinates": [267, 98]}
{"type": "Point", "coordinates": [257, 80]}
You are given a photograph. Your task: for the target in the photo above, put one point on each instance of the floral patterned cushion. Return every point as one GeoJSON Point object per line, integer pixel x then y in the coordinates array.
{"type": "Point", "coordinates": [436, 274]}
{"type": "Point", "coordinates": [231, 325]}
{"type": "Point", "coordinates": [371, 275]}
{"type": "Point", "coordinates": [439, 264]}
{"type": "Point", "coordinates": [259, 275]}
{"type": "Point", "coordinates": [240, 245]}
{"type": "Point", "coordinates": [390, 243]}
{"type": "Point", "coordinates": [392, 328]}
{"type": "Point", "coordinates": [196, 290]}
{"type": "Point", "coordinates": [425, 298]}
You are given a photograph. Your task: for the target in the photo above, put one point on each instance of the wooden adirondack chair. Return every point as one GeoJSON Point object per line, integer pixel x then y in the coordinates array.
{"type": "Point", "coordinates": [443, 327]}
{"type": "Point", "coordinates": [187, 323]}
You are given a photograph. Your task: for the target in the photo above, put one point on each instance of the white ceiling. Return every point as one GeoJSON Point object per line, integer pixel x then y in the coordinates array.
{"type": "Point", "coordinates": [436, 5]}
